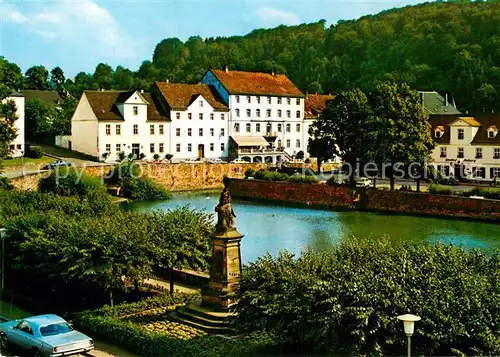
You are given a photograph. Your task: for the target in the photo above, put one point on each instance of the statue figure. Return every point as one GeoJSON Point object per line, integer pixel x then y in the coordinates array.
{"type": "Point", "coordinates": [225, 213]}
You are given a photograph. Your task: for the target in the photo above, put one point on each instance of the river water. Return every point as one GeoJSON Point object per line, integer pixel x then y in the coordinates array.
{"type": "Point", "coordinates": [273, 227]}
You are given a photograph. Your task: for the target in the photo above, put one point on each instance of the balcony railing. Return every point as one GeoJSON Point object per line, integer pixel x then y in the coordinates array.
{"type": "Point", "coordinates": [260, 151]}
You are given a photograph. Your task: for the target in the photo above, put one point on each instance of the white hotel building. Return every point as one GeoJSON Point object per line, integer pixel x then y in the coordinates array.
{"type": "Point", "coordinates": [256, 116]}
{"type": "Point", "coordinates": [17, 147]}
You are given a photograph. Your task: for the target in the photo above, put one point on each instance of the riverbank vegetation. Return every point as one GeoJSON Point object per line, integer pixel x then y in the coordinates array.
{"type": "Point", "coordinates": [345, 301]}
{"type": "Point", "coordinates": [266, 175]}
{"type": "Point", "coordinates": [486, 192]}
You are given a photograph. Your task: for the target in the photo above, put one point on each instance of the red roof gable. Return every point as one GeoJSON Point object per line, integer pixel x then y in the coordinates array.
{"type": "Point", "coordinates": [315, 104]}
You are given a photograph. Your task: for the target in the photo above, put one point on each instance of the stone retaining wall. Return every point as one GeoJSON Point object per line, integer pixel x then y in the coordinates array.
{"type": "Point", "coordinates": [175, 177]}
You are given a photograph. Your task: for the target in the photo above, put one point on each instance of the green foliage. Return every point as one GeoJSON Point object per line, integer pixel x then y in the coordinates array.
{"type": "Point", "coordinates": [57, 78]}
{"type": "Point", "coordinates": [303, 179]}
{"type": "Point", "coordinates": [346, 301]}
{"type": "Point", "coordinates": [300, 155]}
{"type": "Point", "coordinates": [249, 172]}
{"type": "Point", "coordinates": [440, 189]}
{"type": "Point", "coordinates": [121, 156]}
{"type": "Point", "coordinates": [65, 181]}
{"type": "Point", "coordinates": [169, 157]}
{"type": "Point", "coordinates": [37, 77]}
{"type": "Point", "coordinates": [271, 176]}
{"type": "Point", "coordinates": [5, 184]}
{"type": "Point", "coordinates": [491, 193]}
{"type": "Point", "coordinates": [156, 157]}
{"type": "Point", "coordinates": [8, 131]}
{"type": "Point", "coordinates": [39, 118]}
{"type": "Point", "coordinates": [111, 324]}
{"type": "Point", "coordinates": [35, 152]}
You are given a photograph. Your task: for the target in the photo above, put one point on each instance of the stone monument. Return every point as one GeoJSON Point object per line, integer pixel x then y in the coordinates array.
{"type": "Point", "coordinates": [225, 270]}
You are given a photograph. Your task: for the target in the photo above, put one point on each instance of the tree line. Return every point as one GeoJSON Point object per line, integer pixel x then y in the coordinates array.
{"type": "Point", "coordinates": [451, 47]}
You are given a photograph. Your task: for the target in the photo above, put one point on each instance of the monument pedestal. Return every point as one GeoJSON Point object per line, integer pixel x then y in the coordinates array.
{"type": "Point", "coordinates": [225, 271]}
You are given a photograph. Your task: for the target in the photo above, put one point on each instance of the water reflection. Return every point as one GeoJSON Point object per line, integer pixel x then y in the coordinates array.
{"type": "Point", "coordinates": [272, 227]}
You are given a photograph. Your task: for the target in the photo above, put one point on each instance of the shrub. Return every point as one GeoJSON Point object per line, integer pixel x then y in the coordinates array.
{"type": "Point", "coordinates": [156, 157]}
{"type": "Point", "coordinates": [105, 155]}
{"type": "Point", "coordinates": [68, 182]}
{"type": "Point", "coordinates": [303, 179]}
{"type": "Point", "coordinates": [270, 176]}
{"type": "Point", "coordinates": [143, 188]}
{"type": "Point", "coordinates": [5, 184]}
{"type": "Point", "coordinates": [346, 301]}
{"type": "Point", "coordinates": [169, 157]}
{"type": "Point", "coordinates": [249, 172]}
{"type": "Point", "coordinates": [35, 152]}
{"type": "Point", "coordinates": [142, 155]}
{"type": "Point", "coordinates": [300, 155]}
{"type": "Point", "coordinates": [491, 193]}
{"type": "Point", "coordinates": [440, 189]}
{"type": "Point", "coordinates": [131, 156]}
{"type": "Point", "coordinates": [121, 156]}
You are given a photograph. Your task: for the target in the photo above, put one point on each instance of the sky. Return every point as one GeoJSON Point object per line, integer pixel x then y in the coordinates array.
{"type": "Point", "coordinates": [78, 34]}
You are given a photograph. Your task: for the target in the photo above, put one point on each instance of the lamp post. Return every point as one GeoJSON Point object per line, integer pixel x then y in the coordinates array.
{"type": "Point", "coordinates": [409, 325]}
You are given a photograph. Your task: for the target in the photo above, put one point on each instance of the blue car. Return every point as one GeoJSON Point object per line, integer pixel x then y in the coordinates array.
{"type": "Point", "coordinates": [44, 336]}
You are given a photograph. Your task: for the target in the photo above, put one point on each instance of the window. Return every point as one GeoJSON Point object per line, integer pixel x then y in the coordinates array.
{"type": "Point", "coordinates": [178, 132]}
{"type": "Point", "coordinates": [201, 103]}
{"type": "Point", "coordinates": [288, 114]}
{"type": "Point", "coordinates": [268, 113]}
{"type": "Point", "coordinates": [288, 128]}
{"type": "Point", "coordinates": [161, 129]}
{"type": "Point", "coordinates": [496, 153]}
{"type": "Point", "coordinates": [152, 130]}
{"type": "Point", "coordinates": [25, 327]}
{"type": "Point", "coordinates": [460, 134]}
{"type": "Point", "coordinates": [249, 99]}
{"type": "Point", "coordinates": [160, 149]}
{"type": "Point", "coordinates": [495, 172]}
{"type": "Point", "coordinates": [200, 116]}
{"type": "Point", "coordinates": [152, 148]}
{"type": "Point", "coordinates": [279, 143]}
{"type": "Point", "coordinates": [136, 110]}
{"type": "Point", "coordinates": [237, 112]}
{"type": "Point", "coordinates": [443, 152]}
{"type": "Point", "coordinates": [491, 134]}
{"type": "Point", "coordinates": [279, 113]}
{"type": "Point", "coordinates": [237, 99]}
{"type": "Point", "coordinates": [479, 153]}
{"type": "Point", "coordinates": [297, 143]}
{"type": "Point", "coordinates": [249, 113]}
{"type": "Point", "coordinates": [200, 131]}
{"type": "Point", "coordinates": [237, 127]}
{"type": "Point", "coordinates": [257, 128]}
{"type": "Point", "coordinates": [479, 172]}
{"type": "Point", "coordinates": [297, 128]}
{"type": "Point", "coordinates": [12, 147]}
{"type": "Point", "coordinates": [118, 147]}
{"type": "Point", "coordinates": [190, 132]}
{"type": "Point", "coordinates": [460, 153]}
{"type": "Point", "coordinates": [279, 100]}
{"type": "Point", "coordinates": [222, 132]}
{"type": "Point", "coordinates": [136, 129]}
{"type": "Point", "coordinates": [248, 128]}
{"type": "Point", "coordinates": [212, 116]}
{"type": "Point", "coordinates": [280, 128]}
{"type": "Point", "coordinates": [108, 129]}
{"type": "Point", "coordinates": [177, 115]}
{"type": "Point", "coordinates": [222, 147]}
{"type": "Point", "coordinates": [287, 143]}
{"type": "Point", "coordinates": [212, 147]}
{"type": "Point", "coordinates": [297, 115]}
{"type": "Point", "coordinates": [257, 113]}
{"type": "Point", "coordinates": [178, 147]}
{"type": "Point", "coordinates": [258, 100]}
{"type": "Point", "coordinates": [212, 131]}
{"type": "Point", "coordinates": [269, 127]}
{"type": "Point", "coordinates": [268, 100]}
{"type": "Point", "coordinates": [189, 147]}
{"type": "Point", "coordinates": [18, 146]}
{"type": "Point", "coordinates": [298, 101]}
{"type": "Point", "coordinates": [108, 147]}
{"type": "Point", "coordinates": [288, 101]}
{"type": "Point", "coordinates": [222, 116]}
{"type": "Point", "coordinates": [190, 116]}
{"type": "Point", "coordinates": [118, 129]}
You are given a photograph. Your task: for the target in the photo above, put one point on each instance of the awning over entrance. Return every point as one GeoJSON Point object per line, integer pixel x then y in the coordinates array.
{"type": "Point", "coordinates": [250, 141]}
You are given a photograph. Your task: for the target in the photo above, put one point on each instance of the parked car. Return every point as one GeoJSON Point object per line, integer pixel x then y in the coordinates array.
{"type": "Point", "coordinates": [193, 160]}
{"type": "Point", "coordinates": [364, 182]}
{"type": "Point", "coordinates": [44, 336]}
{"type": "Point", "coordinates": [216, 161]}
{"type": "Point", "coordinates": [239, 161]}
{"type": "Point", "coordinates": [57, 163]}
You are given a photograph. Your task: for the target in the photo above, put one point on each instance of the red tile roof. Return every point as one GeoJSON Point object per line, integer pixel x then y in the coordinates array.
{"type": "Point", "coordinates": [315, 104]}
{"type": "Point", "coordinates": [180, 96]}
{"type": "Point", "coordinates": [104, 104]}
{"type": "Point", "coordinates": [257, 83]}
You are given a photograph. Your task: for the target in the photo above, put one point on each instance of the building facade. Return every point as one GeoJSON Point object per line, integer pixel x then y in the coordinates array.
{"type": "Point", "coordinates": [266, 117]}
{"type": "Point", "coordinates": [17, 147]}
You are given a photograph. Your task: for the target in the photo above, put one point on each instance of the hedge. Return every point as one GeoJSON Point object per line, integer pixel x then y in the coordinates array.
{"type": "Point", "coordinates": [440, 189]}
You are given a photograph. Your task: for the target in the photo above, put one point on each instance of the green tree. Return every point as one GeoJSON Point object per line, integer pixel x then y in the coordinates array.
{"type": "Point", "coordinates": [37, 77]}
{"type": "Point", "coordinates": [103, 76]}
{"type": "Point", "coordinates": [315, 87]}
{"type": "Point", "coordinates": [57, 78]}
{"type": "Point", "coordinates": [40, 119]}
{"type": "Point", "coordinates": [62, 121]}
{"type": "Point", "coordinates": [401, 131]}
{"type": "Point", "coordinates": [10, 75]}
{"type": "Point", "coordinates": [8, 131]}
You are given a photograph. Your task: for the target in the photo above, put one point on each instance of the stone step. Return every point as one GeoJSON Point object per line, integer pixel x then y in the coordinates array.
{"type": "Point", "coordinates": [218, 330]}
{"type": "Point", "coordinates": [210, 313]}
{"type": "Point", "coordinates": [206, 320]}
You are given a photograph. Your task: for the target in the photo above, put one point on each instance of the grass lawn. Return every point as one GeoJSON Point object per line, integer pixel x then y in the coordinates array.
{"type": "Point", "coordinates": [18, 161]}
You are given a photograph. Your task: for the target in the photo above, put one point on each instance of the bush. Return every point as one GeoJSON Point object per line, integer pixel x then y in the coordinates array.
{"type": "Point", "coordinates": [67, 182]}
{"type": "Point", "coordinates": [300, 155]}
{"type": "Point", "coordinates": [142, 155]}
{"type": "Point", "coordinates": [35, 152]}
{"type": "Point", "coordinates": [5, 184]}
{"type": "Point", "coordinates": [270, 176]}
{"type": "Point", "coordinates": [345, 302]}
{"type": "Point", "coordinates": [491, 193]}
{"type": "Point", "coordinates": [131, 156]}
{"type": "Point", "coordinates": [169, 157]}
{"type": "Point", "coordinates": [440, 189]}
{"type": "Point", "coordinates": [156, 157]}
{"type": "Point", "coordinates": [303, 179]}
{"type": "Point", "coordinates": [121, 156]}
{"type": "Point", "coordinates": [249, 172]}
{"type": "Point", "coordinates": [105, 155]}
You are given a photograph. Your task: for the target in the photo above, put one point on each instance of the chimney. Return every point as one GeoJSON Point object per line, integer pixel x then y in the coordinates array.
{"type": "Point", "coordinates": [446, 99]}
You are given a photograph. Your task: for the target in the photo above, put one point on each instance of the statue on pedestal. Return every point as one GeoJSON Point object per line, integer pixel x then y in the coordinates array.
{"type": "Point", "coordinates": [225, 213]}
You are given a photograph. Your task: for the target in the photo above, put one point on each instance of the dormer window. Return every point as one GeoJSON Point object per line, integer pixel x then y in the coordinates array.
{"type": "Point", "coordinates": [492, 132]}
